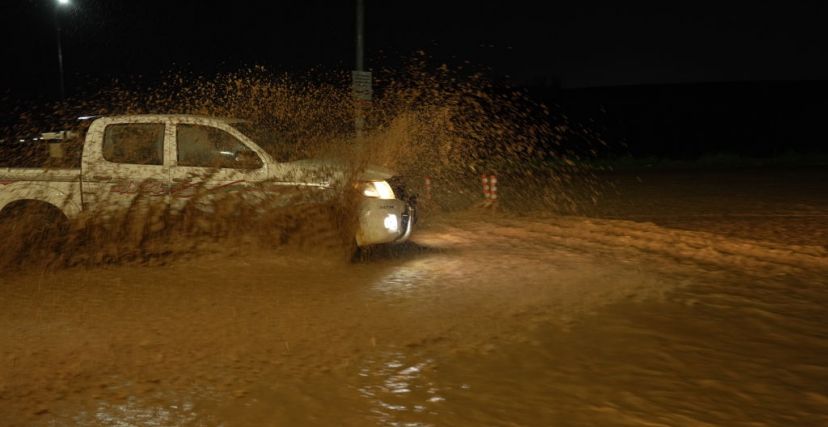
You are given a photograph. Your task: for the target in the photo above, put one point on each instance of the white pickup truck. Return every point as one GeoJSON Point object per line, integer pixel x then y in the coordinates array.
{"type": "Point", "coordinates": [166, 157]}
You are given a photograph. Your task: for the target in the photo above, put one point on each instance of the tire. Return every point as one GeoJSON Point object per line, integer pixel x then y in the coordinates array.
{"type": "Point", "coordinates": [34, 233]}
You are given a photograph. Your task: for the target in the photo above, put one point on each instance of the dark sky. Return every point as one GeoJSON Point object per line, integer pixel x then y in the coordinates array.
{"type": "Point", "coordinates": [581, 43]}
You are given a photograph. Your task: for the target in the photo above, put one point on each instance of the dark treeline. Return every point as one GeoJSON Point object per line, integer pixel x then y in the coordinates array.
{"type": "Point", "coordinates": [682, 122]}
{"type": "Point", "coordinates": [686, 121]}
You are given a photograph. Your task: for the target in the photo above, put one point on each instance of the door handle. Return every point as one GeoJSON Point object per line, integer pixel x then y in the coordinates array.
{"type": "Point", "coordinates": [102, 177]}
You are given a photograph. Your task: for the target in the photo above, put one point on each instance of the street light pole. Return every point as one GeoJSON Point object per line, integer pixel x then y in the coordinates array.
{"type": "Point", "coordinates": [360, 39]}
{"type": "Point", "coordinates": [60, 46]}
{"type": "Point", "coordinates": [359, 114]}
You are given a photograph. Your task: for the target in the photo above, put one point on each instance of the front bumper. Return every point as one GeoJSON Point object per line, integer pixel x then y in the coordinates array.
{"type": "Point", "coordinates": [384, 221]}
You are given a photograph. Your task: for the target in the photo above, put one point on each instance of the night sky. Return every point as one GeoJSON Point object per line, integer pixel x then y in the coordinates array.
{"type": "Point", "coordinates": [576, 43]}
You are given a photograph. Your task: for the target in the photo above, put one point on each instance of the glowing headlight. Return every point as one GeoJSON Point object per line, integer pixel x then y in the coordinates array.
{"type": "Point", "coordinates": [391, 223]}
{"type": "Point", "coordinates": [378, 189]}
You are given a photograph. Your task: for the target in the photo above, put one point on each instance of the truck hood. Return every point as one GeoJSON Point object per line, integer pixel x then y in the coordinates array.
{"type": "Point", "coordinates": [333, 170]}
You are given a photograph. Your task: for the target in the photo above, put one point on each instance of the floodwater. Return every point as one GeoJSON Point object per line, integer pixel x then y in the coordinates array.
{"type": "Point", "coordinates": [679, 318]}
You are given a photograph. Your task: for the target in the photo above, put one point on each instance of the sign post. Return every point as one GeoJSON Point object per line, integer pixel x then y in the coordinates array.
{"type": "Point", "coordinates": [362, 94]}
{"type": "Point", "coordinates": [360, 79]}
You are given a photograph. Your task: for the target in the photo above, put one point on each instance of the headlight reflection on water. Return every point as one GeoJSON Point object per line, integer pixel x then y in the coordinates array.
{"type": "Point", "coordinates": [403, 278]}
{"type": "Point", "coordinates": [138, 412]}
{"type": "Point", "coordinates": [396, 387]}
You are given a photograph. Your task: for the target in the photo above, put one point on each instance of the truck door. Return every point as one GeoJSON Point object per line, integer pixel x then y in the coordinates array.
{"type": "Point", "coordinates": [212, 164]}
{"type": "Point", "coordinates": [127, 167]}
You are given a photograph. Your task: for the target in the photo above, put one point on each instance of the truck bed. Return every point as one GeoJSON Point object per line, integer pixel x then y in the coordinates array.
{"type": "Point", "coordinates": [39, 174]}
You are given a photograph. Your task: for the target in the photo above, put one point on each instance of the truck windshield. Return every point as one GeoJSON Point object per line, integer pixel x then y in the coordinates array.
{"type": "Point", "coordinates": [276, 143]}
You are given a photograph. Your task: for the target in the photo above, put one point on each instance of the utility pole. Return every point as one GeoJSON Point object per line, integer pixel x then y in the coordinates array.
{"type": "Point", "coordinates": [58, 5]}
{"type": "Point", "coordinates": [360, 39]}
{"type": "Point", "coordinates": [361, 79]}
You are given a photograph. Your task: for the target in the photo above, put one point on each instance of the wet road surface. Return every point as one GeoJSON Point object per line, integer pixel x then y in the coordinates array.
{"type": "Point", "coordinates": [489, 318]}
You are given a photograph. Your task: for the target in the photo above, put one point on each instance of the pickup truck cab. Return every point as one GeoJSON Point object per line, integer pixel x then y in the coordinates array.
{"type": "Point", "coordinates": [170, 158]}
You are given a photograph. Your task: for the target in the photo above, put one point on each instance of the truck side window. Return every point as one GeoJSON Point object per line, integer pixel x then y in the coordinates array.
{"type": "Point", "coordinates": [134, 143]}
{"type": "Point", "coordinates": [209, 147]}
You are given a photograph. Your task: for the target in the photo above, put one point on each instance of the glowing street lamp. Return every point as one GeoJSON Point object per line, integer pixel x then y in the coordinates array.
{"type": "Point", "coordinates": [60, 3]}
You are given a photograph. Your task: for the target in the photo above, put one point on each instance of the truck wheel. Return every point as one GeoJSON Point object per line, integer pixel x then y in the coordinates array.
{"type": "Point", "coordinates": [32, 229]}
{"type": "Point", "coordinates": [354, 252]}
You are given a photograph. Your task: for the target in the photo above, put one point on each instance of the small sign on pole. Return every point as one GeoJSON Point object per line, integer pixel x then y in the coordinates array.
{"type": "Point", "coordinates": [361, 85]}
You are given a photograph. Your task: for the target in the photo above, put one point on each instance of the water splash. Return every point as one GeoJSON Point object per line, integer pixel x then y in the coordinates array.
{"type": "Point", "coordinates": [444, 124]}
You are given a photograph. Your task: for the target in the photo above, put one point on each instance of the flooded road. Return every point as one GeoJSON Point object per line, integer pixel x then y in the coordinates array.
{"type": "Point", "coordinates": [490, 318]}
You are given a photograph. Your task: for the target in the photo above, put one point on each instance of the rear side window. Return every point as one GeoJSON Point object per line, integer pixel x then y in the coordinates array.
{"type": "Point", "coordinates": [134, 143]}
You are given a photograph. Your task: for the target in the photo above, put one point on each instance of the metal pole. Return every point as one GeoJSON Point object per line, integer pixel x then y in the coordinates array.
{"type": "Point", "coordinates": [360, 40]}
{"type": "Point", "coordinates": [60, 55]}
{"type": "Point", "coordinates": [359, 119]}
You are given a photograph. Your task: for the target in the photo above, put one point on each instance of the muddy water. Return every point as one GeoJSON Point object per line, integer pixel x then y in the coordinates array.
{"type": "Point", "coordinates": [489, 319]}
{"type": "Point", "coordinates": [784, 205]}
{"type": "Point", "coordinates": [274, 337]}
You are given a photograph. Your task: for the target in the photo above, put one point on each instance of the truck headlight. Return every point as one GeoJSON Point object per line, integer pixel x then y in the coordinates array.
{"type": "Point", "coordinates": [378, 190]}
{"type": "Point", "coordinates": [391, 223]}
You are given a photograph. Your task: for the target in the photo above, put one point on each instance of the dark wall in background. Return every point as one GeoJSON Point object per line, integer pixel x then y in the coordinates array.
{"type": "Point", "coordinates": [685, 121]}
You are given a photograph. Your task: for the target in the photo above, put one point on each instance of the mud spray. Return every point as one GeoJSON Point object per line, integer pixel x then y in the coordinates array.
{"type": "Point", "coordinates": [425, 123]}
{"type": "Point", "coordinates": [500, 320]}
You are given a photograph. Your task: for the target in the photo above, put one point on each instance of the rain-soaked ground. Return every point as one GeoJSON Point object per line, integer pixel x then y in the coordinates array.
{"type": "Point", "coordinates": [683, 299]}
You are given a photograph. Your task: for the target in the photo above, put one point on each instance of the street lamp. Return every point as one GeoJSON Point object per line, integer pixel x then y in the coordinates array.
{"type": "Point", "coordinates": [60, 3]}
